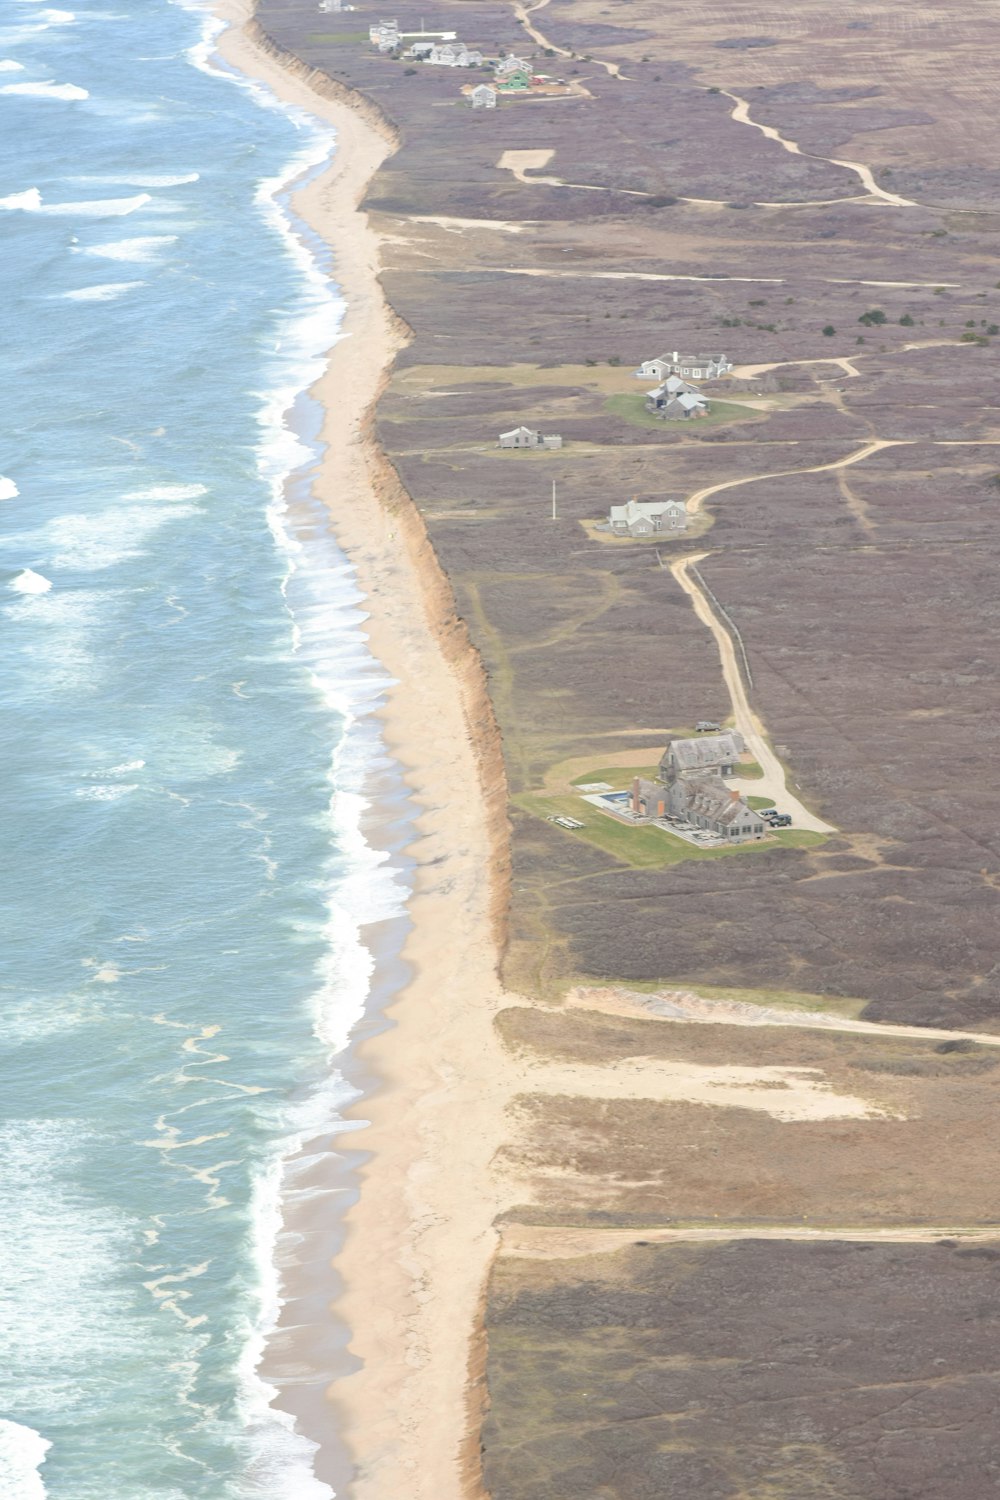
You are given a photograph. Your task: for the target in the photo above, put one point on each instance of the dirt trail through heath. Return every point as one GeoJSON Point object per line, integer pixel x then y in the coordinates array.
{"type": "Point", "coordinates": [524, 14]}
{"type": "Point", "coordinates": [542, 1242]}
{"type": "Point", "coordinates": [688, 1007]}
{"type": "Point", "coordinates": [741, 114]}
{"type": "Point", "coordinates": [773, 783]}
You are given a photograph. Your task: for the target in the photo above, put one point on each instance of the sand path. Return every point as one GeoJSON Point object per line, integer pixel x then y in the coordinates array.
{"type": "Point", "coordinates": [524, 14]}
{"type": "Point", "coordinates": [519, 162]}
{"type": "Point", "coordinates": [773, 783]}
{"type": "Point", "coordinates": [741, 114]}
{"type": "Point", "coordinates": [542, 1242]}
{"type": "Point", "coordinates": [676, 276]}
{"type": "Point", "coordinates": [689, 1008]}
{"type": "Point", "coordinates": [732, 652]}
{"type": "Point", "coordinates": [784, 1093]}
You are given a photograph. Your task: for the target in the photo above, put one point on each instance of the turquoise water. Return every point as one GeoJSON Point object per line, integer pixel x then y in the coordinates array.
{"type": "Point", "coordinates": [183, 699]}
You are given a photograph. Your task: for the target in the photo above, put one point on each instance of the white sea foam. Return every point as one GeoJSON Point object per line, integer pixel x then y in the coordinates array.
{"type": "Point", "coordinates": [89, 543]}
{"type": "Point", "coordinates": [8, 65]}
{"type": "Point", "coordinates": [143, 248]}
{"type": "Point", "coordinates": [46, 90]}
{"type": "Point", "coordinates": [141, 179]}
{"type": "Point", "coordinates": [169, 492]}
{"type": "Point", "coordinates": [30, 582]}
{"type": "Point", "coordinates": [105, 793]}
{"type": "Point", "coordinates": [8, 489]}
{"type": "Point", "coordinates": [22, 1452]}
{"type": "Point", "coordinates": [106, 292]}
{"type": "Point", "coordinates": [30, 201]}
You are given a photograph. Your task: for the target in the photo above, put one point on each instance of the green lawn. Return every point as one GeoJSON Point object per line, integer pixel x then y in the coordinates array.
{"type": "Point", "coordinates": [631, 407]}
{"type": "Point", "coordinates": [618, 777]}
{"type": "Point", "coordinates": [643, 847]}
{"type": "Point", "coordinates": [759, 802]}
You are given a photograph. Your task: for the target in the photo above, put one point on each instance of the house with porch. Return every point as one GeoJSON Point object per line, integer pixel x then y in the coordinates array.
{"type": "Point", "coordinates": [483, 97]}
{"type": "Point", "coordinates": [515, 81]}
{"type": "Point", "coordinates": [511, 64]}
{"type": "Point", "coordinates": [384, 35]}
{"type": "Point", "coordinates": [641, 518]}
{"type": "Point", "coordinates": [687, 366]}
{"type": "Point", "coordinates": [526, 437]}
{"type": "Point", "coordinates": [454, 55]}
{"type": "Point", "coordinates": [690, 787]}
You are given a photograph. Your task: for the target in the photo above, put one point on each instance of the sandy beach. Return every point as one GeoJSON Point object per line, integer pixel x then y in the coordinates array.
{"type": "Point", "coordinates": [420, 1238]}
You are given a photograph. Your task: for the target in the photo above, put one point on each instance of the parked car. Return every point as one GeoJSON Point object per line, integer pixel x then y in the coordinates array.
{"type": "Point", "coordinates": [705, 726]}
{"type": "Point", "coordinates": [777, 819]}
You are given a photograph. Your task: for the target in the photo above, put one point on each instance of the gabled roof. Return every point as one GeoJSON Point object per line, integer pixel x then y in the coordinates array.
{"type": "Point", "coordinates": [515, 431]}
{"type": "Point", "coordinates": [635, 510]}
{"type": "Point", "coordinates": [712, 799]}
{"type": "Point", "coordinates": [691, 359]}
{"type": "Point", "coordinates": [707, 750]}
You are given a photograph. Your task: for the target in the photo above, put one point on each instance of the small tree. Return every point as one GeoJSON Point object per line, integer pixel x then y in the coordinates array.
{"type": "Point", "coordinates": [873, 318]}
{"type": "Point", "coordinates": [829, 331]}
{"type": "Point", "coordinates": [906, 321]}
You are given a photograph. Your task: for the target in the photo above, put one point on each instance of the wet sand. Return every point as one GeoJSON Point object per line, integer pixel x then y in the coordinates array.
{"type": "Point", "coordinates": [414, 1247]}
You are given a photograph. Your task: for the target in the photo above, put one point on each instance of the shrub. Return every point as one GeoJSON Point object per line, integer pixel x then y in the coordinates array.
{"type": "Point", "coordinates": [906, 321]}
{"type": "Point", "coordinates": [407, 71]}
{"type": "Point", "coordinates": [829, 331]}
{"type": "Point", "coordinates": [994, 328]}
{"type": "Point", "coordinates": [873, 318]}
{"type": "Point", "coordinates": [615, 359]}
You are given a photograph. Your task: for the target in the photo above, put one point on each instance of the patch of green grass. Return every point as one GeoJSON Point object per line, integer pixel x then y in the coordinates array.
{"type": "Point", "coordinates": [760, 802]}
{"type": "Point", "coordinates": [631, 407]}
{"type": "Point", "coordinates": [618, 777]}
{"type": "Point", "coordinates": [799, 838]}
{"type": "Point", "coordinates": [749, 769]}
{"type": "Point", "coordinates": [642, 847]}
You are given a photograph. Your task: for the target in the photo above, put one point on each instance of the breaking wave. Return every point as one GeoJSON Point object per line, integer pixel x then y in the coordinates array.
{"type": "Point", "coordinates": [22, 1452]}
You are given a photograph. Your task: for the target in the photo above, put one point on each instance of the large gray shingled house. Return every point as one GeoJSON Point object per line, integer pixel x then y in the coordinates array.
{"type": "Point", "coordinates": [690, 787]}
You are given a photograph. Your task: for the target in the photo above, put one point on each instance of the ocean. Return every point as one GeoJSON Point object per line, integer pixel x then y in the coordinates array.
{"type": "Point", "coordinates": [186, 718]}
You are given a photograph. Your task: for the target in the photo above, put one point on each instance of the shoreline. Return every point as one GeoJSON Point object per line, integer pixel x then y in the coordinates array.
{"type": "Point", "coordinates": [418, 1240]}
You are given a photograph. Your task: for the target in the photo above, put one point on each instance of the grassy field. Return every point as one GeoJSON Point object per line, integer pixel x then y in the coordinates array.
{"type": "Point", "coordinates": [644, 847]}
{"type": "Point", "coordinates": [631, 407]}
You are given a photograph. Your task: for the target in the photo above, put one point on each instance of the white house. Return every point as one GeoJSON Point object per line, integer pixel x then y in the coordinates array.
{"type": "Point", "coordinates": [525, 437]}
{"type": "Point", "coordinates": [511, 65]}
{"type": "Point", "coordinates": [381, 33]}
{"type": "Point", "coordinates": [454, 55]}
{"type": "Point", "coordinates": [648, 518]}
{"type": "Point", "coordinates": [419, 51]}
{"type": "Point", "coordinates": [688, 366]}
{"type": "Point", "coordinates": [483, 97]}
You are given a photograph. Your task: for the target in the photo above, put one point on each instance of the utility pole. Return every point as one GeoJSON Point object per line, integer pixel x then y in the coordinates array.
{"type": "Point", "coordinates": [553, 500]}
